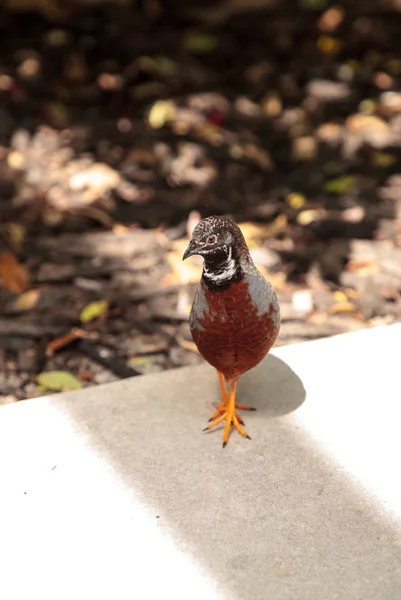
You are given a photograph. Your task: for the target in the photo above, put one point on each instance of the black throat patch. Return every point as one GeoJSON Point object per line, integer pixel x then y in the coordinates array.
{"type": "Point", "coordinates": [221, 269]}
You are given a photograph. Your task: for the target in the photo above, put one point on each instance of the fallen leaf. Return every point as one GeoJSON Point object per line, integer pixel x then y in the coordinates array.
{"type": "Point", "coordinates": [340, 296]}
{"type": "Point", "coordinates": [327, 44]}
{"type": "Point", "coordinates": [339, 185]}
{"type": "Point", "coordinates": [331, 19]}
{"type": "Point", "coordinates": [59, 381]}
{"type": "Point", "coordinates": [27, 301]}
{"type": "Point", "coordinates": [162, 112]}
{"type": "Point", "coordinates": [13, 275]}
{"type": "Point", "coordinates": [342, 307]}
{"type": "Point", "coordinates": [354, 214]}
{"type": "Point", "coordinates": [296, 201]}
{"type": "Point", "coordinates": [199, 42]}
{"type": "Point", "coordinates": [306, 217]}
{"type": "Point", "coordinates": [368, 107]}
{"type": "Point", "coordinates": [16, 160]}
{"type": "Point", "coordinates": [97, 214]}
{"type": "Point", "coordinates": [304, 147]}
{"type": "Point", "coordinates": [370, 128]}
{"type": "Point", "coordinates": [363, 267]}
{"type": "Point", "coordinates": [93, 311]}
{"type": "Point", "coordinates": [120, 229]}
{"type": "Point", "coordinates": [327, 90]}
{"type": "Point", "coordinates": [391, 101]}
{"type": "Point", "coordinates": [384, 160]}
{"type": "Point", "coordinates": [360, 123]}
{"type": "Point", "coordinates": [16, 235]}
{"type": "Point", "coordinates": [351, 293]}
{"type": "Point", "coordinates": [330, 133]}
{"type": "Point", "coordinates": [255, 231]}
{"type": "Point", "coordinates": [139, 361]}
{"type": "Point", "coordinates": [257, 155]}
{"type": "Point", "coordinates": [98, 176]}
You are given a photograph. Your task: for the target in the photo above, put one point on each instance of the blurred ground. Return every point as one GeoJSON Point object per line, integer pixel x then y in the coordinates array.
{"type": "Point", "coordinates": [121, 125]}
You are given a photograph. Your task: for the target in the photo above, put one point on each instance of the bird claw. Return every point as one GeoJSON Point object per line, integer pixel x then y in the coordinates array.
{"type": "Point", "coordinates": [227, 411]}
{"type": "Point", "coordinates": [231, 418]}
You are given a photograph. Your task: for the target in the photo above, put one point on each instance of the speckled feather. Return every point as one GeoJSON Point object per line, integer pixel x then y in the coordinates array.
{"type": "Point", "coordinates": [232, 334]}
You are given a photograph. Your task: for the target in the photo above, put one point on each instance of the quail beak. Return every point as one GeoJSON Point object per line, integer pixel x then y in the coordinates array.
{"type": "Point", "coordinates": [191, 250]}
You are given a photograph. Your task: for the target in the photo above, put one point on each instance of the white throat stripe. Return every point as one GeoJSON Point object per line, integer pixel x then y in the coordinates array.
{"type": "Point", "coordinates": [226, 272]}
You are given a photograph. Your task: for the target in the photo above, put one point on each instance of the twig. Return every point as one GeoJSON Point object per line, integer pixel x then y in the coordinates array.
{"type": "Point", "coordinates": [103, 356]}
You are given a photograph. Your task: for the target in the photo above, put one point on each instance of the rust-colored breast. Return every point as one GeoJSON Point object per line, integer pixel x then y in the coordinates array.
{"type": "Point", "coordinates": [231, 332]}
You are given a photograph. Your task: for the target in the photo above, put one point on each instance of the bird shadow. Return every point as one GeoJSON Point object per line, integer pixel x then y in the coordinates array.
{"type": "Point", "coordinates": [272, 387]}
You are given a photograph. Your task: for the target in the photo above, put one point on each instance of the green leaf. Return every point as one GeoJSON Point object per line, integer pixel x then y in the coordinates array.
{"type": "Point", "coordinates": [296, 201]}
{"type": "Point", "coordinates": [93, 310]}
{"type": "Point", "coordinates": [382, 160]}
{"type": "Point", "coordinates": [339, 185]}
{"type": "Point", "coordinates": [162, 112]}
{"type": "Point", "coordinates": [139, 361]}
{"type": "Point", "coordinates": [199, 42]}
{"type": "Point", "coordinates": [58, 381]}
{"type": "Point", "coordinates": [166, 65]}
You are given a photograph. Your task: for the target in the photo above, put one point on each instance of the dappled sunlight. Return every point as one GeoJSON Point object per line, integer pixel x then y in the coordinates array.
{"type": "Point", "coordinates": [71, 528]}
{"type": "Point", "coordinates": [353, 411]}
{"type": "Point", "coordinates": [119, 487]}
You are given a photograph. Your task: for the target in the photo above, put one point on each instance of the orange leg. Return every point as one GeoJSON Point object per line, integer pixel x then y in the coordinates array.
{"type": "Point", "coordinates": [226, 412]}
{"type": "Point", "coordinates": [224, 399]}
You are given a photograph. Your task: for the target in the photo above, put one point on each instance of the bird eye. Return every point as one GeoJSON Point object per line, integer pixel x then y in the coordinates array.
{"type": "Point", "coordinates": [211, 239]}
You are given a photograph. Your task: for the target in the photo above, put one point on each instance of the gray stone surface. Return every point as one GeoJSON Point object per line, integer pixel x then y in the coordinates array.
{"type": "Point", "coordinates": [114, 492]}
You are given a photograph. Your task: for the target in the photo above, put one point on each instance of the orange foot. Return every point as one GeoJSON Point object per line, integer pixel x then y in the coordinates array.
{"type": "Point", "coordinates": [226, 412]}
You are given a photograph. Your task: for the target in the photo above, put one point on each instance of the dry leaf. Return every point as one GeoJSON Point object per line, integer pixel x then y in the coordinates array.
{"type": "Point", "coordinates": [363, 267]}
{"type": "Point", "coordinates": [340, 296]}
{"type": "Point", "coordinates": [27, 301]}
{"type": "Point", "coordinates": [306, 217]}
{"type": "Point", "coordinates": [13, 275]}
{"type": "Point", "coordinates": [343, 307]}
{"type": "Point", "coordinates": [252, 231]}
{"type": "Point", "coordinates": [351, 293]}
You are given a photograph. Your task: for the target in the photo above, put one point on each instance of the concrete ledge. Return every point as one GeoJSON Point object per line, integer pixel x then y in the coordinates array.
{"type": "Point", "coordinates": [114, 492]}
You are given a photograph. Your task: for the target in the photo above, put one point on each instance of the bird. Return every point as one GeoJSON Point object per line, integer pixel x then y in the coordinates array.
{"type": "Point", "coordinates": [235, 315]}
